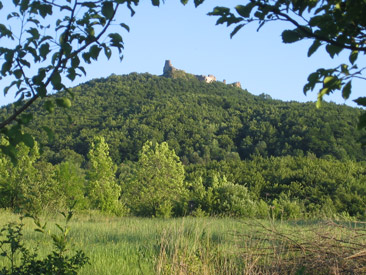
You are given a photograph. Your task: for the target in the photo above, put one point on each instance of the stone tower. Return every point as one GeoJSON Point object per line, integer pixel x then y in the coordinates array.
{"type": "Point", "coordinates": [168, 68]}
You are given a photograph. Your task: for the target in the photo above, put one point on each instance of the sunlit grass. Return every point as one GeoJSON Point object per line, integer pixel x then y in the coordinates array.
{"type": "Point", "coordinates": [207, 245]}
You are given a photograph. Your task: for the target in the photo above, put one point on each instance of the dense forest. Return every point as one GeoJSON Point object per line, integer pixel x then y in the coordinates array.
{"type": "Point", "coordinates": [149, 145]}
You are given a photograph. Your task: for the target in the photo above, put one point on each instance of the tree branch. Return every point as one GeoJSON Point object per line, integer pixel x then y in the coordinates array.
{"type": "Point", "coordinates": [307, 32]}
{"type": "Point", "coordinates": [61, 61]}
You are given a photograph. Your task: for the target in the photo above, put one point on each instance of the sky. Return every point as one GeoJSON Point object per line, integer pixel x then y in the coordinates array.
{"type": "Point", "coordinates": [190, 39]}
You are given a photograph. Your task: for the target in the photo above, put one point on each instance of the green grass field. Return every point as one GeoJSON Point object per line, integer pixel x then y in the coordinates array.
{"type": "Point", "coordinates": [206, 245]}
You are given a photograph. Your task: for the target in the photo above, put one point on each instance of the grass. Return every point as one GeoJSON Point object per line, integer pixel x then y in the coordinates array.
{"type": "Point", "coordinates": [208, 245]}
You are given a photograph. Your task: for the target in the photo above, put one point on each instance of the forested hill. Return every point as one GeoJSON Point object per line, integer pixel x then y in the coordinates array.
{"type": "Point", "coordinates": [200, 121]}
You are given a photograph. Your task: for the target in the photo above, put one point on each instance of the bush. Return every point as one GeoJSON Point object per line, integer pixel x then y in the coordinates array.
{"type": "Point", "coordinates": [58, 261]}
{"type": "Point", "coordinates": [221, 198]}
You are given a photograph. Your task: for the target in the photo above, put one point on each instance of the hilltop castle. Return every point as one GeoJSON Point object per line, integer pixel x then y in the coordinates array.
{"type": "Point", "coordinates": [169, 70]}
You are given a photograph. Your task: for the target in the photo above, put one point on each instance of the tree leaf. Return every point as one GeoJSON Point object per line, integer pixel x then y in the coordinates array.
{"type": "Point", "coordinates": [198, 2]}
{"type": "Point", "coordinates": [333, 50]}
{"type": "Point", "coordinates": [346, 91]}
{"type": "Point", "coordinates": [116, 40]}
{"type": "Point", "coordinates": [314, 47]}
{"type": "Point", "coordinates": [45, 10]}
{"type": "Point", "coordinates": [107, 9]}
{"type": "Point", "coordinates": [291, 36]}
{"type": "Point", "coordinates": [86, 57]}
{"type": "Point", "coordinates": [34, 32]}
{"type": "Point", "coordinates": [56, 81]}
{"type": "Point", "coordinates": [236, 29]}
{"type": "Point", "coordinates": [18, 73]}
{"type": "Point", "coordinates": [94, 52]}
{"type": "Point", "coordinates": [25, 63]}
{"type": "Point", "coordinates": [44, 50]}
{"type": "Point", "coordinates": [41, 90]}
{"type": "Point", "coordinates": [71, 74]}
{"type": "Point", "coordinates": [75, 61]}
{"type": "Point", "coordinates": [245, 11]}
{"type": "Point", "coordinates": [353, 57]}
{"type": "Point", "coordinates": [38, 79]}
{"type": "Point", "coordinates": [6, 68]}
{"type": "Point", "coordinates": [123, 25]}
{"type": "Point", "coordinates": [361, 101]}
{"type": "Point", "coordinates": [4, 31]}
{"type": "Point", "coordinates": [107, 52]}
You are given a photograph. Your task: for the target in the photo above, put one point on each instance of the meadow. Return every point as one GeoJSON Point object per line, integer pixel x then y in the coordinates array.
{"type": "Point", "coordinates": [205, 245]}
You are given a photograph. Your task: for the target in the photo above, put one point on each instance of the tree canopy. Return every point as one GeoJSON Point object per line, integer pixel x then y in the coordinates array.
{"type": "Point", "coordinates": [200, 121]}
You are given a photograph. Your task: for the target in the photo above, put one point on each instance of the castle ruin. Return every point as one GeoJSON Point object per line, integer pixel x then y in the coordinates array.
{"type": "Point", "coordinates": [208, 79]}
{"type": "Point", "coordinates": [168, 68]}
{"type": "Point", "coordinates": [168, 71]}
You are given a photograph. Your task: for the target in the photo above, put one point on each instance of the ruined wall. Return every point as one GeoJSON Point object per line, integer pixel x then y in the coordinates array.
{"type": "Point", "coordinates": [168, 71]}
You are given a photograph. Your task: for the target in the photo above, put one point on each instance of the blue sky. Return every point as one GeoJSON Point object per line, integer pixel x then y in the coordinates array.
{"type": "Point", "coordinates": [190, 39]}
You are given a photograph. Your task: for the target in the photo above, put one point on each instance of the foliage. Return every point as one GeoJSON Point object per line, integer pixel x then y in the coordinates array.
{"type": "Point", "coordinates": [102, 189]}
{"type": "Point", "coordinates": [336, 24]}
{"type": "Point", "coordinates": [201, 122]}
{"type": "Point", "coordinates": [220, 197]}
{"type": "Point", "coordinates": [27, 186]}
{"type": "Point", "coordinates": [71, 180]}
{"type": "Point", "coordinates": [43, 43]}
{"type": "Point", "coordinates": [319, 187]}
{"type": "Point", "coordinates": [58, 261]}
{"type": "Point", "coordinates": [270, 158]}
{"type": "Point", "coordinates": [156, 186]}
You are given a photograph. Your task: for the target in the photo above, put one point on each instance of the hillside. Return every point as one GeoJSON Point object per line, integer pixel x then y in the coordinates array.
{"type": "Point", "coordinates": [242, 155]}
{"type": "Point", "coordinates": [200, 121]}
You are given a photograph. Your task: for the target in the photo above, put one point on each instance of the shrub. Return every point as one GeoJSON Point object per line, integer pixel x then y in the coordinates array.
{"type": "Point", "coordinates": [24, 261]}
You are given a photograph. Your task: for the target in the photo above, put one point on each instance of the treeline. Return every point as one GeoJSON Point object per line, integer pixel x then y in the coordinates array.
{"type": "Point", "coordinates": [159, 185]}
{"type": "Point", "coordinates": [153, 146]}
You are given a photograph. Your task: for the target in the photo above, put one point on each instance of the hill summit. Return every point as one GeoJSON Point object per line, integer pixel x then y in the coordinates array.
{"type": "Point", "coordinates": [172, 72]}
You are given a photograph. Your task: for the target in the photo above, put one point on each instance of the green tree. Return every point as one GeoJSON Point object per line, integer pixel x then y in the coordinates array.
{"type": "Point", "coordinates": [29, 186]}
{"type": "Point", "coordinates": [338, 25]}
{"type": "Point", "coordinates": [102, 190]}
{"type": "Point", "coordinates": [218, 196]}
{"type": "Point", "coordinates": [71, 181]}
{"type": "Point", "coordinates": [156, 185]}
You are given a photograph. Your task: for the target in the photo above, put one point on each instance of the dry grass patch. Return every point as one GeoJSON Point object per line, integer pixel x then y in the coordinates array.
{"type": "Point", "coordinates": [321, 248]}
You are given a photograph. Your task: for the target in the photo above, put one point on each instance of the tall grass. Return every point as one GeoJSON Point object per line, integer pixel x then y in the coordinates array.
{"type": "Point", "coordinates": [209, 245]}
